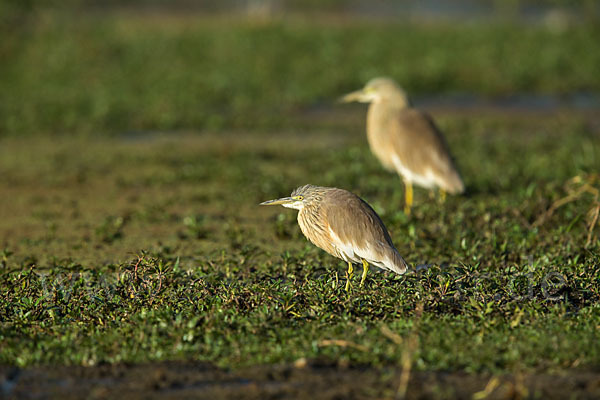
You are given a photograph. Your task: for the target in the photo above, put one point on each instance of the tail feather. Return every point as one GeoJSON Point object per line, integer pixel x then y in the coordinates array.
{"type": "Point", "coordinates": [453, 184]}
{"type": "Point", "coordinates": [397, 264]}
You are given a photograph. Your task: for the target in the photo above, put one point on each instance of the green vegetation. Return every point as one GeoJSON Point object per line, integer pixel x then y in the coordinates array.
{"type": "Point", "coordinates": [93, 74]}
{"type": "Point", "coordinates": [153, 248]}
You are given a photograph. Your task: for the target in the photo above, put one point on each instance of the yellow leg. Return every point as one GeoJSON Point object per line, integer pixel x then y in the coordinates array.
{"type": "Point", "coordinates": [365, 271]}
{"type": "Point", "coordinates": [408, 197]}
{"type": "Point", "coordinates": [349, 275]}
{"type": "Point", "coordinates": [442, 196]}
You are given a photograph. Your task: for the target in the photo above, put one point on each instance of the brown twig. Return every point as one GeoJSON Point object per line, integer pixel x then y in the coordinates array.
{"type": "Point", "coordinates": [135, 267]}
{"type": "Point", "coordinates": [596, 213]}
{"type": "Point", "coordinates": [342, 343]}
{"type": "Point", "coordinates": [586, 187]}
{"type": "Point", "coordinates": [492, 384]}
{"type": "Point", "coordinates": [556, 205]}
{"type": "Point", "coordinates": [394, 337]}
{"type": "Point", "coordinates": [412, 343]}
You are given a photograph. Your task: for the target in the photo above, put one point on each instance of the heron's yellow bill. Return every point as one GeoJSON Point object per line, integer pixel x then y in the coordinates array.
{"type": "Point", "coordinates": [365, 95]}
{"type": "Point", "coordinates": [354, 96]}
{"type": "Point", "coordinates": [277, 202]}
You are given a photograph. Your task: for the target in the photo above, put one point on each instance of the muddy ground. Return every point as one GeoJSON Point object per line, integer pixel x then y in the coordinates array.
{"type": "Point", "coordinates": [301, 381]}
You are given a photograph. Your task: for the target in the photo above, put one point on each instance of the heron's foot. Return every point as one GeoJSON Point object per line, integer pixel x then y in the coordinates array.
{"type": "Point", "coordinates": [408, 197]}
{"type": "Point", "coordinates": [364, 273]}
{"type": "Point", "coordinates": [442, 196]}
{"type": "Point", "coordinates": [349, 275]}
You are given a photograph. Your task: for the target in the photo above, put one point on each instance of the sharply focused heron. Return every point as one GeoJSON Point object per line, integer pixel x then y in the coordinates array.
{"type": "Point", "coordinates": [345, 226]}
{"type": "Point", "coordinates": [406, 140]}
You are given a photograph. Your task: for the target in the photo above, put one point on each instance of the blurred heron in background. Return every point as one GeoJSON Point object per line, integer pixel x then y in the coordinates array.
{"type": "Point", "coordinates": [345, 226]}
{"type": "Point", "coordinates": [406, 140]}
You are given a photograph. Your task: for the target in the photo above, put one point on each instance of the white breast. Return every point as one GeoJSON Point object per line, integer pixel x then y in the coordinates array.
{"type": "Point", "coordinates": [427, 180]}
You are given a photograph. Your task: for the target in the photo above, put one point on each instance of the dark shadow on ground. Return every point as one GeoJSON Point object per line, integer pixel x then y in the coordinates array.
{"type": "Point", "coordinates": [305, 380]}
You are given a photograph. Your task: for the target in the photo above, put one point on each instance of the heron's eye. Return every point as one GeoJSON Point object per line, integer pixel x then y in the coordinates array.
{"type": "Point", "coordinates": [299, 197]}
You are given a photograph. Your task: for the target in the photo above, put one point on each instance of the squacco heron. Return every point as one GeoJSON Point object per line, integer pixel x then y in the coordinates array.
{"type": "Point", "coordinates": [345, 226]}
{"type": "Point", "coordinates": [406, 140]}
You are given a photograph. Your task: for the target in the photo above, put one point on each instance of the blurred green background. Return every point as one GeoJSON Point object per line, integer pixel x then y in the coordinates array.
{"type": "Point", "coordinates": [105, 67]}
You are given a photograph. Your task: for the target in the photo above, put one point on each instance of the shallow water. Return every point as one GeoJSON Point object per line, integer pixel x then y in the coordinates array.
{"type": "Point", "coordinates": [469, 10]}
{"type": "Point", "coordinates": [525, 102]}
{"type": "Point", "coordinates": [552, 15]}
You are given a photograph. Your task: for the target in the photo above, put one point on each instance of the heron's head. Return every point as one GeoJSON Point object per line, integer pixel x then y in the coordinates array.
{"type": "Point", "coordinates": [300, 197]}
{"type": "Point", "coordinates": [378, 90]}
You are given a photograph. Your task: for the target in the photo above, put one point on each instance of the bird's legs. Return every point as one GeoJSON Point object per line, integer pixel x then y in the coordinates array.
{"type": "Point", "coordinates": [408, 197]}
{"type": "Point", "coordinates": [442, 196]}
{"type": "Point", "coordinates": [349, 275]}
{"type": "Point", "coordinates": [365, 271]}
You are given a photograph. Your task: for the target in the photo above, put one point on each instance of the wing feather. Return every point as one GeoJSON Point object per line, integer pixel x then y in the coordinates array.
{"type": "Point", "coordinates": [422, 149]}
{"type": "Point", "coordinates": [359, 231]}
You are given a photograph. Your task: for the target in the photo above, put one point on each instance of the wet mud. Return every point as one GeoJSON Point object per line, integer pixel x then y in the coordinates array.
{"type": "Point", "coordinates": [304, 380]}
